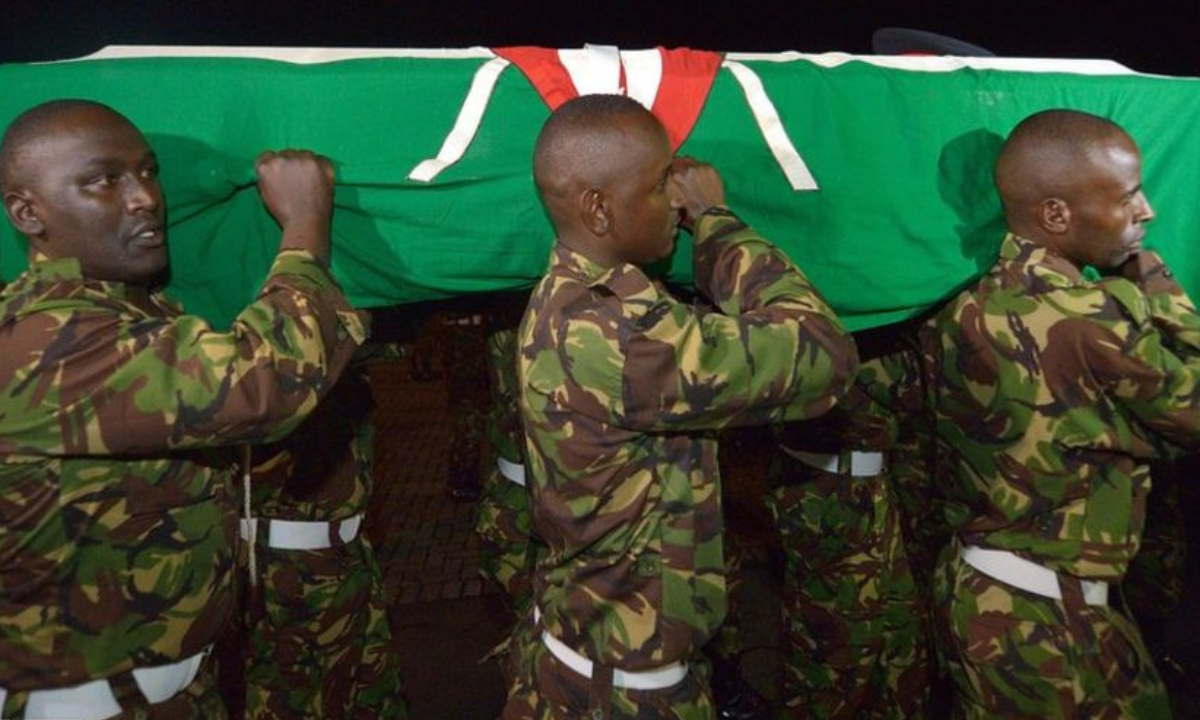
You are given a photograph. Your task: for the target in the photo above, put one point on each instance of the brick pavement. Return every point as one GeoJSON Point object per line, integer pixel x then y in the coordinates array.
{"type": "Point", "coordinates": [424, 539]}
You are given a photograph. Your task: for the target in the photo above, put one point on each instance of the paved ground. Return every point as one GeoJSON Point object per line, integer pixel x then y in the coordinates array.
{"type": "Point", "coordinates": [447, 619]}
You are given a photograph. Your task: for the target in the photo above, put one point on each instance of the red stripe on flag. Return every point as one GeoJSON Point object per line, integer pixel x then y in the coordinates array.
{"type": "Point", "coordinates": [544, 70]}
{"type": "Point", "coordinates": [687, 78]}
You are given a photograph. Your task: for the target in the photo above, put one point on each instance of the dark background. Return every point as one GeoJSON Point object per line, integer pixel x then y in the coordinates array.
{"type": "Point", "coordinates": [1150, 36]}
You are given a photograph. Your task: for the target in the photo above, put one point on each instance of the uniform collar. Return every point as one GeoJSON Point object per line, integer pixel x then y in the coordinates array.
{"type": "Point", "coordinates": [625, 280]}
{"type": "Point", "coordinates": [1044, 262]}
{"type": "Point", "coordinates": [44, 270]}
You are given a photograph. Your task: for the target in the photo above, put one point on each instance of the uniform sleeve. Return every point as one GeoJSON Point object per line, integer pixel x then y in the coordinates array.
{"type": "Point", "coordinates": [775, 352]}
{"type": "Point", "coordinates": [1172, 312]}
{"type": "Point", "coordinates": [1156, 374]}
{"type": "Point", "coordinates": [105, 383]}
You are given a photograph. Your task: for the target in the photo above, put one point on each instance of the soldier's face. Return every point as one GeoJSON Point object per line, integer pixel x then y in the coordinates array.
{"type": "Point", "coordinates": [645, 207]}
{"type": "Point", "coordinates": [94, 187]}
{"type": "Point", "coordinates": [1109, 214]}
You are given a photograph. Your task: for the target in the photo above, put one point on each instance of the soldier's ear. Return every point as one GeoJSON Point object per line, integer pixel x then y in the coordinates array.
{"type": "Point", "coordinates": [595, 211]}
{"type": "Point", "coordinates": [21, 209]}
{"type": "Point", "coordinates": [1054, 215]}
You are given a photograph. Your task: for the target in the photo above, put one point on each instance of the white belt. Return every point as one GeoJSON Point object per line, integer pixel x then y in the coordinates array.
{"type": "Point", "coordinates": [95, 700]}
{"type": "Point", "coordinates": [1027, 575]}
{"type": "Point", "coordinates": [513, 472]}
{"type": "Point", "coordinates": [859, 464]}
{"type": "Point", "coordinates": [659, 678]}
{"type": "Point", "coordinates": [301, 535]}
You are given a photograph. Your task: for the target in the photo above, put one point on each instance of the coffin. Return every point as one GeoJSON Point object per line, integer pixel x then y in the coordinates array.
{"type": "Point", "coordinates": [871, 172]}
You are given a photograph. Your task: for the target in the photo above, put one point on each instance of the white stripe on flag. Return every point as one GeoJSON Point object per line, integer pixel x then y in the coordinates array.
{"type": "Point", "coordinates": [772, 128]}
{"type": "Point", "coordinates": [943, 63]}
{"type": "Point", "coordinates": [643, 74]}
{"type": "Point", "coordinates": [594, 69]}
{"type": "Point", "coordinates": [298, 55]}
{"type": "Point", "coordinates": [467, 124]}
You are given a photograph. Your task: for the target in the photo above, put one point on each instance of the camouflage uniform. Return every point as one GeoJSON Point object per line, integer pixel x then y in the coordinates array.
{"type": "Point", "coordinates": [913, 470]}
{"type": "Point", "coordinates": [1055, 394]}
{"type": "Point", "coordinates": [853, 618]}
{"type": "Point", "coordinates": [117, 521]}
{"type": "Point", "coordinates": [316, 640]}
{"type": "Point", "coordinates": [467, 399]}
{"type": "Point", "coordinates": [504, 525]}
{"type": "Point", "coordinates": [619, 384]}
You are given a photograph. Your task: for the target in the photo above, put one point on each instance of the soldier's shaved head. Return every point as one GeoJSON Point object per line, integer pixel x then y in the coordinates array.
{"type": "Point", "coordinates": [29, 128]}
{"type": "Point", "coordinates": [1044, 155]}
{"type": "Point", "coordinates": [1073, 182]}
{"type": "Point", "coordinates": [81, 182]}
{"type": "Point", "coordinates": [602, 165]}
{"type": "Point", "coordinates": [585, 144]}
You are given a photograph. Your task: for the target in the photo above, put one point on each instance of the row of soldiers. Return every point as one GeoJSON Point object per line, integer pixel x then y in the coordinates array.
{"type": "Point", "coordinates": [979, 475]}
{"type": "Point", "coordinates": [1032, 402]}
{"type": "Point", "coordinates": [860, 542]}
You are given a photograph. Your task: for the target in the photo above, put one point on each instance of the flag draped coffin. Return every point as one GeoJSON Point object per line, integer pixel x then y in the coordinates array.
{"type": "Point", "coordinates": [900, 151]}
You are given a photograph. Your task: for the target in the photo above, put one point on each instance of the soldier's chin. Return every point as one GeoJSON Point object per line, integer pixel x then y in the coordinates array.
{"type": "Point", "coordinates": [1118, 260]}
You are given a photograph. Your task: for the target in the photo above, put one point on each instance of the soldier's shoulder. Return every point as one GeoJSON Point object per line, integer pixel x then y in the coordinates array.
{"type": "Point", "coordinates": [28, 297]}
{"type": "Point", "coordinates": [1126, 297]}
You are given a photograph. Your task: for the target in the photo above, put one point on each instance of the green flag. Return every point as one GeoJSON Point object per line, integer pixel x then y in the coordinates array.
{"type": "Point", "coordinates": [900, 151]}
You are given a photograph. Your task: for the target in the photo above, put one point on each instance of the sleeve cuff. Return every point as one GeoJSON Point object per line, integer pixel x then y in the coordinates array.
{"type": "Point", "coordinates": [709, 220]}
{"type": "Point", "coordinates": [302, 264]}
{"type": "Point", "coordinates": [1153, 276]}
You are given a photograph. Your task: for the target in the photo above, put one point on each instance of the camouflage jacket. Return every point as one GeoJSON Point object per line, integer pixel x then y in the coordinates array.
{"type": "Point", "coordinates": [619, 382]}
{"type": "Point", "coordinates": [1054, 393]}
{"type": "Point", "coordinates": [322, 470]}
{"type": "Point", "coordinates": [504, 419]}
{"type": "Point", "coordinates": [504, 430]}
{"type": "Point", "coordinates": [117, 525]}
{"type": "Point", "coordinates": [863, 420]}
{"type": "Point", "coordinates": [884, 410]}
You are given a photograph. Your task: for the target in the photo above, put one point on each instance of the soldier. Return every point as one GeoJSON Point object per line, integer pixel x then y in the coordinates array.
{"type": "Point", "coordinates": [464, 351]}
{"type": "Point", "coordinates": [1056, 391]}
{"type": "Point", "coordinates": [117, 520]}
{"type": "Point", "coordinates": [508, 547]}
{"type": "Point", "coordinates": [619, 385]}
{"type": "Point", "coordinates": [853, 619]}
{"type": "Point", "coordinates": [316, 640]}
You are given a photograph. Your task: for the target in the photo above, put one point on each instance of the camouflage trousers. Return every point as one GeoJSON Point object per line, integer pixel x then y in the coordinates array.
{"type": "Point", "coordinates": [543, 688]}
{"type": "Point", "coordinates": [508, 550]}
{"type": "Point", "coordinates": [318, 643]}
{"type": "Point", "coordinates": [726, 645]}
{"type": "Point", "coordinates": [1015, 654]}
{"type": "Point", "coordinates": [468, 400]}
{"type": "Point", "coordinates": [853, 621]}
{"type": "Point", "coordinates": [198, 701]}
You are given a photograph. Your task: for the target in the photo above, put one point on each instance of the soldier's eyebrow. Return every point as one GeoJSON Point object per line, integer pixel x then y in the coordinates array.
{"type": "Point", "coordinates": [1133, 192]}
{"type": "Point", "coordinates": [100, 164]}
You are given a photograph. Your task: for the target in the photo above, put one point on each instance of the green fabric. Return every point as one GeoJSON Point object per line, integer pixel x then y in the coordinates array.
{"type": "Point", "coordinates": [905, 213]}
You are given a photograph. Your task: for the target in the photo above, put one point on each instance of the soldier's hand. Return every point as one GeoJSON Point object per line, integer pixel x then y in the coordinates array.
{"type": "Point", "coordinates": [698, 187]}
{"type": "Point", "coordinates": [297, 189]}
